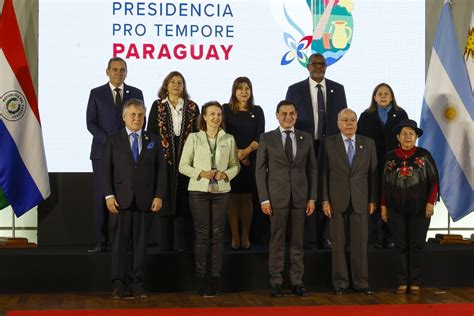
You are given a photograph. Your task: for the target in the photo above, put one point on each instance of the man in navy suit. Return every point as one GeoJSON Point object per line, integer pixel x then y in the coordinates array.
{"type": "Point", "coordinates": [134, 184]}
{"type": "Point", "coordinates": [319, 100]}
{"type": "Point", "coordinates": [104, 117]}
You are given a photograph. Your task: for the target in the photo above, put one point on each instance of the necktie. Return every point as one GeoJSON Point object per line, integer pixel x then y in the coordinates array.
{"type": "Point", "coordinates": [289, 147]}
{"type": "Point", "coordinates": [135, 146]}
{"type": "Point", "coordinates": [118, 98]}
{"type": "Point", "coordinates": [350, 151]}
{"type": "Point", "coordinates": [321, 113]}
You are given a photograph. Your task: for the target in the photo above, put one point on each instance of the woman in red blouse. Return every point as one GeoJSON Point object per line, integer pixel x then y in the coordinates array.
{"type": "Point", "coordinates": [409, 192]}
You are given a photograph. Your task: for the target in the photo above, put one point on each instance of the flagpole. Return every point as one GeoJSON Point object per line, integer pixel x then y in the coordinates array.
{"type": "Point", "coordinates": [13, 225]}
{"type": "Point", "coordinates": [449, 224]}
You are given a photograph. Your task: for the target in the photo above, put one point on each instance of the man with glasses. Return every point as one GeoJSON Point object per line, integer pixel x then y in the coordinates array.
{"type": "Point", "coordinates": [349, 191]}
{"type": "Point", "coordinates": [318, 100]}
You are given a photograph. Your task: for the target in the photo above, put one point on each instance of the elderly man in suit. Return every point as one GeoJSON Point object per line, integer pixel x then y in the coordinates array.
{"type": "Point", "coordinates": [134, 183]}
{"type": "Point", "coordinates": [286, 173]}
{"type": "Point", "coordinates": [349, 192]}
{"type": "Point", "coordinates": [104, 117]}
{"type": "Point", "coordinates": [318, 101]}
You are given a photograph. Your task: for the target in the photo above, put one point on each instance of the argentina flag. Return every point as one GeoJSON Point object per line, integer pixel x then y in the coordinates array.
{"type": "Point", "coordinates": [447, 119]}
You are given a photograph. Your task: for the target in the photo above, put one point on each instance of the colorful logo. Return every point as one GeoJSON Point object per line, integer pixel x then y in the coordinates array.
{"type": "Point", "coordinates": [12, 105]}
{"type": "Point", "coordinates": [331, 34]}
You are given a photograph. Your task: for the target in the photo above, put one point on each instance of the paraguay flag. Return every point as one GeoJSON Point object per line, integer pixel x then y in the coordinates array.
{"type": "Point", "coordinates": [23, 172]}
{"type": "Point", "coordinates": [446, 118]}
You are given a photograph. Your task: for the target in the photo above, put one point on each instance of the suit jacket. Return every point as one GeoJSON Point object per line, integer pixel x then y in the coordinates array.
{"type": "Point", "coordinates": [277, 180]}
{"type": "Point", "coordinates": [127, 179]}
{"type": "Point", "coordinates": [343, 184]}
{"type": "Point", "coordinates": [196, 157]}
{"type": "Point", "coordinates": [385, 138]}
{"type": "Point", "coordinates": [300, 94]}
{"type": "Point", "coordinates": [103, 117]}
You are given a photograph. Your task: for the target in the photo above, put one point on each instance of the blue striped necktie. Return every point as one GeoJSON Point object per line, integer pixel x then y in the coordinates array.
{"type": "Point", "coordinates": [135, 146]}
{"type": "Point", "coordinates": [350, 151]}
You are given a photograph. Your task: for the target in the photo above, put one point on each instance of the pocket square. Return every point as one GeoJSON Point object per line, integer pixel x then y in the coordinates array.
{"type": "Point", "coordinates": [150, 145]}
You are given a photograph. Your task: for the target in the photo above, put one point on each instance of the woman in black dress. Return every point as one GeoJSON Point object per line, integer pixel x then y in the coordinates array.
{"type": "Point", "coordinates": [377, 122]}
{"type": "Point", "coordinates": [409, 191]}
{"type": "Point", "coordinates": [173, 117]}
{"type": "Point", "coordinates": [245, 121]}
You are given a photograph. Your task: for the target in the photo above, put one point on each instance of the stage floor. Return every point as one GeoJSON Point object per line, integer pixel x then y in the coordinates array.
{"type": "Point", "coordinates": [74, 270]}
{"type": "Point", "coordinates": [101, 300]}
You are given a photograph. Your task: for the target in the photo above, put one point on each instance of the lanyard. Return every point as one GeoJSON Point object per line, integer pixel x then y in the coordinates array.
{"type": "Point", "coordinates": [213, 151]}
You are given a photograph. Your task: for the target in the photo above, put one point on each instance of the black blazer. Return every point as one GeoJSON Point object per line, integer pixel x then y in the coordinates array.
{"type": "Point", "coordinates": [127, 179]}
{"type": "Point", "coordinates": [385, 139]}
{"type": "Point", "coordinates": [300, 94]}
{"type": "Point", "coordinates": [103, 117]}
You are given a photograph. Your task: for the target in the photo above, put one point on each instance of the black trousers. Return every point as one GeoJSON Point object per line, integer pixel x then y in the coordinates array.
{"type": "Point", "coordinates": [209, 212]}
{"type": "Point", "coordinates": [129, 228]}
{"type": "Point", "coordinates": [409, 235]}
{"type": "Point", "coordinates": [101, 211]}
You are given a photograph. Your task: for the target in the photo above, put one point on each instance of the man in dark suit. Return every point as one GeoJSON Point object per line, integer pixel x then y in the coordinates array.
{"type": "Point", "coordinates": [286, 176]}
{"type": "Point", "coordinates": [134, 182]}
{"type": "Point", "coordinates": [318, 101]}
{"type": "Point", "coordinates": [349, 192]}
{"type": "Point", "coordinates": [104, 117]}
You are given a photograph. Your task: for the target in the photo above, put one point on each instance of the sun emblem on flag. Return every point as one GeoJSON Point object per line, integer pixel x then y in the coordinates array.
{"type": "Point", "coordinates": [13, 105]}
{"type": "Point", "coordinates": [469, 49]}
{"type": "Point", "coordinates": [450, 113]}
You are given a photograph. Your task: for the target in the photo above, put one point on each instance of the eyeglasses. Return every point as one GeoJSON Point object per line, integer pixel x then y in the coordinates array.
{"type": "Point", "coordinates": [318, 63]}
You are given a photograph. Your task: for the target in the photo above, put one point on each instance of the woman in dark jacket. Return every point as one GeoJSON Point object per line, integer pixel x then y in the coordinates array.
{"type": "Point", "coordinates": [173, 117]}
{"type": "Point", "coordinates": [409, 192]}
{"type": "Point", "coordinates": [377, 122]}
{"type": "Point", "coordinates": [246, 122]}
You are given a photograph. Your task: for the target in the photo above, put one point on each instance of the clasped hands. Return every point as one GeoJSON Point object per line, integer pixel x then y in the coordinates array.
{"type": "Point", "coordinates": [213, 174]}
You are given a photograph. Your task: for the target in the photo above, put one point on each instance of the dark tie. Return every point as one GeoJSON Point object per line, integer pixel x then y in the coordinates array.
{"type": "Point", "coordinates": [350, 150]}
{"type": "Point", "coordinates": [135, 146]}
{"type": "Point", "coordinates": [289, 147]}
{"type": "Point", "coordinates": [321, 113]}
{"type": "Point", "coordinates": [118, 98]}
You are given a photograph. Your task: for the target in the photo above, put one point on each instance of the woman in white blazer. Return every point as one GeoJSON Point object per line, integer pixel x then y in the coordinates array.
{"type": "Point", "coordinates": [210, 160]}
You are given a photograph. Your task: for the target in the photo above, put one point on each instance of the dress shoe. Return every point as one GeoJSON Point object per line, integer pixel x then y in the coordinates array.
{"type": "Point", "coordinates": [214, 286]}
{"type": "Point", "coordinates": [139, 293]}
{"type": "Point", "coordinates": [340, 291]}
{"type": "Point", "coordinates": [119, 293]}
{"type": "Point", "coordinates": [378, 245]}
{"type": "Point", "coordinates": [201, 284]}
{"type": "Point", "coordinates": [390, 245]}
{"type": "Point", "coordinates": [299, 290]}
{"type": "Point", "coordinates": [327, 244]}
{"type": "Point", "coordinates": [402, 289]}
{"type": "Point", "coordinates": [277, 291]}
{"type": "Point", "coordinates": [414, 289]}
{"type": "Point", "coordinates": [366, 291]}
{"type": "Point", "coordinates": [99, 248]}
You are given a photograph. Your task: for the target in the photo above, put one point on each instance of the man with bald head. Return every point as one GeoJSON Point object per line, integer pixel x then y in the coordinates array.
{"type": "Point", "coordinates": [349, 192]}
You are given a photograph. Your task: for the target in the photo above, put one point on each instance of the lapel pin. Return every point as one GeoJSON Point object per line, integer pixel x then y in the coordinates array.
{"type": "Point", "coordinates": [361, 146]}
{"type": "Point", "coordinates": [301, 137]}
{"type": "Point", "coordinates": [253, 115]}
{"type": "Point", "coordinates": [332, 91]}
{"type": "Point", "coordinates": [394, 115]}
{"type": "Point", "coordinates": [127, 91]}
